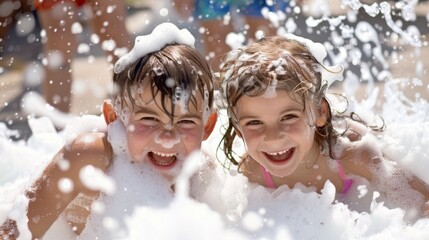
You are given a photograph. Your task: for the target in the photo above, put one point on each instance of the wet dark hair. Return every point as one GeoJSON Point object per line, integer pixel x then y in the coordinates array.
{"type": "Point", "coordinates": [180, 64]}
{"type": "Point", "coordinates": [279, 63]}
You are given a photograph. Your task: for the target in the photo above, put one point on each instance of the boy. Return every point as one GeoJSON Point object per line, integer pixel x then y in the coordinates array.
{"type": "Point", "coordinates": [164, 102]}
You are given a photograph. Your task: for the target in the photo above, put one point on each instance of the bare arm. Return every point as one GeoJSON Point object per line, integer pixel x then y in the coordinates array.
{"type": "Point", "coordinates": [365, 149]}
{"type": "Point", "coordinates": [423, 188]}
{"type": "Point", "coordinates": [49, 201]}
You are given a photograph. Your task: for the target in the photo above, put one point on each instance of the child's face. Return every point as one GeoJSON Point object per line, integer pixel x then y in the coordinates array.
{"type": "Point", "coordinates": [277, 132]}
{"type": "Point", "coordinates": [153, 137]}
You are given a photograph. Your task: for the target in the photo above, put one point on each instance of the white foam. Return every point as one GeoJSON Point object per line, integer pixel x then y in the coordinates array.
{"type": "Point", "coordinates": [330, 74]}
{"type": "Point", "coordinates": [144, 207]}
{"type": "Point", "coordinates": [167, 139]}
{"type": "Point", "coordinates": [165, 33]}
{"type": "Point", "coordinates": [143, 203]}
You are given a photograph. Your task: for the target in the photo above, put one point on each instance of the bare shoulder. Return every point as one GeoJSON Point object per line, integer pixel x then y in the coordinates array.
{"type": "Point", "coordinates": [89, 148]}
{"type": "Point", "coordinates": [48, 198]}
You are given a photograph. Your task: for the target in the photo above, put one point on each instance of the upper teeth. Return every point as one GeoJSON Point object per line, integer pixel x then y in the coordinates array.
{"type": "Point", "coordinates": [164, 154]}
{"type": "Point", "coordinates": [277, 153]}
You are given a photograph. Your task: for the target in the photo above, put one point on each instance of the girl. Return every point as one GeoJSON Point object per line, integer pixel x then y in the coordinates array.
{"type": "Point", "coordinates": [163, 100]}
{"type": "Point", "coordinates": [274, 90]}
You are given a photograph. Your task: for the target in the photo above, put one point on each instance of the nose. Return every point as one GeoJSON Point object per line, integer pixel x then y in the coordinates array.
{"type": "Point", "coordinates": [167, 138]}
{"type": "Point", "coordinates": [273, 133]}
{"type": "Point", "coordinates": [167, 134]}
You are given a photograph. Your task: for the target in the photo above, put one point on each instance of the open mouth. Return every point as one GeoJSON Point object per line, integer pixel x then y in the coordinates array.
{"type": "Point", "coordinates": [281, 156]}
{"type": "Point", "coordinates": [163, 160]}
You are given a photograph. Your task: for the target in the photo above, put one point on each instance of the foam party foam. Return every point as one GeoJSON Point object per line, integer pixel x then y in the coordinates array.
{"type": "Point", "coordinates": [330, 74]}
{"type": "Point", "coordinates": [221, 203]}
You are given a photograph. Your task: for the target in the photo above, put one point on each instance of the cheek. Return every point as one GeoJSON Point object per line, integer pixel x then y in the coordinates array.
{"type": "Point", "coordinates": [134, 149]}
{"type": "Point", "coordinates": [304, 133]}
{"type": "Point", "coordinates": [139, 129]}
{"type": "Point", "coordinates": [251, 138]}
{"type": "Point", "coordinates": [138, 136]}
{"type": "Point", "coordinates": [192, 138]}
{"type": "Point", "coordinates": [136, 133]}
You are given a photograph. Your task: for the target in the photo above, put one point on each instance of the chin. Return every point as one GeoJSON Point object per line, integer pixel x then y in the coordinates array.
{"type": "Point", "coordinates": [171, 172]}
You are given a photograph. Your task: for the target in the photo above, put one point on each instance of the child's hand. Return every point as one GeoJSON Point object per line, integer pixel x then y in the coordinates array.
{"type": "Point", "coordinates": [9, 230]}
{"type": "Point", "coordinates": [420, 186]}
{"type": "Point", "coordinates": [359, 143]}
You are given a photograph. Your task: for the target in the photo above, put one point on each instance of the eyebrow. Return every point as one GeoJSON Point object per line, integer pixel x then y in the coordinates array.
{"type": "Point", "coordinates": [246, 117]}
{"type": "Point", "coordinates": [190, 115]}
{"type": "Point", "coordinates": [147, 110]}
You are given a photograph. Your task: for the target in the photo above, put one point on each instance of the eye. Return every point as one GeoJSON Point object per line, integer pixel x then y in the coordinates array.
{"type": "Point", "coordinates": [253, 123]}
{"type": "Point", "coordinates": [149, 119]}
{"type": "Point", "coordinates": [289, 117]}
{"type": "Point", "coordinates": [187, 123]}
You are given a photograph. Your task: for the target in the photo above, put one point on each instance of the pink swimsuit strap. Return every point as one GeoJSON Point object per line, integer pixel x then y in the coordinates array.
{"type": "Point", "coordinates": [347, 182]}
{"type": "Point", "coordinates": [267, 177]}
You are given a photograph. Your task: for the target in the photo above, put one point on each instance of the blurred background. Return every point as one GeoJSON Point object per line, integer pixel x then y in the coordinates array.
{"type": "Point", "coordinates": [376, 42]}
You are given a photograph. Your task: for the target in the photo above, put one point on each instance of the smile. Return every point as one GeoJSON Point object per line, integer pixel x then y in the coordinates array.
{"type": "Point", "coordinates": [281, 156]}
{"type": "Point", "coordinates": [163, 160]}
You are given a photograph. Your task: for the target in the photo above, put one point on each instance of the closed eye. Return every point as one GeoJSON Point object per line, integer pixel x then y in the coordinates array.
{"type": "Point", "coordinates": [187, 124]}
{"type": "Point", "coordinates": [186, 121]}
{"type": "Point", "coordinates": [149, 119]}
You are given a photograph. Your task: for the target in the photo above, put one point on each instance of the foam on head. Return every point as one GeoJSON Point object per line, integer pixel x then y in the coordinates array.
{"type": "Point", "coordinates": [330, 74]}
{"type": "Point", "coordinates": [163, 34]}
{"type": "Point", "coordinates": [247, 62]}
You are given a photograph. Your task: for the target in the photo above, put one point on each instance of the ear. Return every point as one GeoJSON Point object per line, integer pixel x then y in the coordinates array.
{"type": "Point", "coordinates": [323, 113]}
{"type": "Point", "coordinates": [210, 124]}
{"type": "Point", "coordinates": [108, 112]}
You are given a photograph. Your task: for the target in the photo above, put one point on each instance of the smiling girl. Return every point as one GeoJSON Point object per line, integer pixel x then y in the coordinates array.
{"type": "Point", "coordinates": [275, 94]}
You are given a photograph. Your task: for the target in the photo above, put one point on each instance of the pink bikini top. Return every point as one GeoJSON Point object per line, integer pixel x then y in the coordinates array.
{"type": "Point", "coordinates": [347, 182]}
